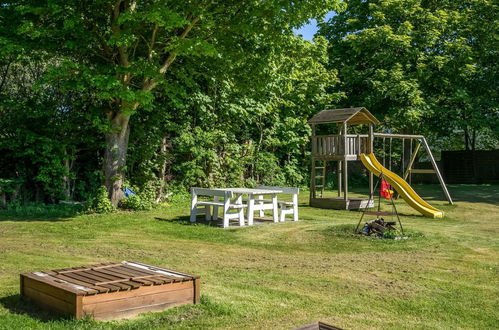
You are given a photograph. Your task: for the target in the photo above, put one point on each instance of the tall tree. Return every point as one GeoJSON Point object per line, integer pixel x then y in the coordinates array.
{"type": "Point", "coordinates": [424, 65]}
{"type": "Point", "coordinates": [123, 50]}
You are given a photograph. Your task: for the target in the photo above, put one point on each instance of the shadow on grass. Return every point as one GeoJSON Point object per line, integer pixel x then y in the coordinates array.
{"type": "Point", "coordinates": [40, 212]}
{"type": "Point", "coordinates": [186, 221]}
{"type": "Point", "coordinates": [475, 193]}
{"type": "Point", "coordinates": [32, 218]}
{"type": "Point", "coordinates": [17, 304]}
{"type": "Point", "coordinates": [201, 221]}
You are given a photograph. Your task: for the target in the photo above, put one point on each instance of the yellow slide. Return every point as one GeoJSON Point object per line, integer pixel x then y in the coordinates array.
{"type": "Point", "coordinates": [401, 186]}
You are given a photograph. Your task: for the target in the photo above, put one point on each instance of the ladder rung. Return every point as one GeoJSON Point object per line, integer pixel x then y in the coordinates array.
{"type": "Point", "coordinates": [319, 177]}
{"type": "Point", "coordinates": [319, 185]}
{"type": "Point", "coordinates": [319, 168]}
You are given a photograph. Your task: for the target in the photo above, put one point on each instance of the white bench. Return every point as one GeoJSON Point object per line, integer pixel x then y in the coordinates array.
{"type": "Point", "coordinates": [285, 207]}
{"type": "Point", "coordinates": [228, 206]}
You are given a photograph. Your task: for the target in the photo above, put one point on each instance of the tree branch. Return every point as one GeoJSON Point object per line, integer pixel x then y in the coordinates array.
{"type": "Point", "coordinates": [171, 57]}
{"type": "Point", "coordinates": [153, 41]}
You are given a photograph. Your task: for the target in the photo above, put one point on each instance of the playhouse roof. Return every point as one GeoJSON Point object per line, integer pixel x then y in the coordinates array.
{"type": "Point", "coordinates": [352, 116]}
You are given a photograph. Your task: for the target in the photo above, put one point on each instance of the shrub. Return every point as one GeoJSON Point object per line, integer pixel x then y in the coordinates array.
{"type": "Point", "coordinates": [391, 234]}
{"type": "Point", "coordinates": [142, 200]}
{"type": "Point", "coordinates": [100, 203]}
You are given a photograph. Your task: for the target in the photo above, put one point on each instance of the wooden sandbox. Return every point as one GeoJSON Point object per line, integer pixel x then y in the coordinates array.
{"type": "Point", "coordinates": [110, 290]}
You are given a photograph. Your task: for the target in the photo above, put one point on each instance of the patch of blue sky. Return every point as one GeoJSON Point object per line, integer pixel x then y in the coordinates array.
{"type": "Point", "coordinates": [309, 30]}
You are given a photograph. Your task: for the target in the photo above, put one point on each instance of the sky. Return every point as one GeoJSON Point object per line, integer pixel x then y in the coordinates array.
{"type": "Point", "coordinates": [308, 30]}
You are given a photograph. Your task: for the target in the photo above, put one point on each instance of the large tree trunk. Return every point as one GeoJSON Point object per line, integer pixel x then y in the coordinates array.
{"type": "Point", "coordinates": [115, 156]}
{"type": "Point", "coordinates": [68, 187]}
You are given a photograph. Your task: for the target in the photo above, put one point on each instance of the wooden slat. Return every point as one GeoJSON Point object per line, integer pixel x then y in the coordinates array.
{"type": "Point", "coordinates": [139, 292]}
{"type": "Point", "coordinates": [81, 283]}
{"type": "Point", "coordinates": [90, 282]}
{"type": "Point", "coordinates": [139, 301]}
{"type": "Point", "coordinates": [197, 296]}
{"type": "Point", "coordinates": [47, 287]}
{"type": "Point", "coordinates": [118, 278]}
{"type": "Point", "coordinates": [50, 280]}
{"type": "Point", "coordinates": [76, 269]}
{"type": "Point", "coordinates": [47, 301]}
{"type": "Point", "coordinates": [136, 311]}
{"type": "Point", "coordinates": [130, 275]}
{"type": "Point", "coordinates": [188, 276]}
{"type": "Point", "coordinates": [105, 265]}
{"type": "Point", "coordinates": [140, 272]}
{"type": "Point", "coordinates": [135, 271]}
{"type": "Point", "coordinates": [100, 280]}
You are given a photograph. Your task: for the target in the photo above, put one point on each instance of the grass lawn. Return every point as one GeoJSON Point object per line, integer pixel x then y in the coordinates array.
{"type": "Point", "coordinates": [279, 275]}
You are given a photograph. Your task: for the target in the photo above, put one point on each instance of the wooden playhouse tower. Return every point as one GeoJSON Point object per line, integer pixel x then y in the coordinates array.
{"type": "Point", "coordinates": [340, 148]}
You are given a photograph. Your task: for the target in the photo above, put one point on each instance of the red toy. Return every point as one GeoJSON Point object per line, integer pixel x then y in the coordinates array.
{"type": "Point", "coordinates": [386, 190]}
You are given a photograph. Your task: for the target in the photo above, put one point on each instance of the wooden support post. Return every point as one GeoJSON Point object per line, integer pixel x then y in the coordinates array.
{"type": "Point", "coordinates": [384, 154]}
{"type": "Point", "coordinates": [437, 171]}
{"type": "Point", "coordinates": [370, 149]}
{"type": "Point", "coordinates": [312, 170]}
{"type": "Point", "coordinates": [357, 152]}
{"type": "Point", "coordinates": [312, 179]}
{"type": "Point", "coordinates": [324, 164]}
{"type": "Point", "coordinates": [410, 157]}
{"type": "Point", "coordinates": [345, 164]}
{"type": "Point", "coordinates": [390, 156]}
{"type": "Point", "coordinates": [345, 180]}
{"type": "Point", "coordinates": [411, 161]}
{"type": "Point", "coordinates": [403, 156]}
{"type": "Point", "coordinates": [339, 178]}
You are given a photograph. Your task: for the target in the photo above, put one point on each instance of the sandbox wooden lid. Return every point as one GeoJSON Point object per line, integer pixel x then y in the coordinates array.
{"type": "Point", "coordinates": [109, 277]}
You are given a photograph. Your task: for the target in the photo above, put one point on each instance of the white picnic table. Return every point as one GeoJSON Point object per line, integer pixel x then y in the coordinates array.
{"type": "Point", "coordinates": [252, 207]}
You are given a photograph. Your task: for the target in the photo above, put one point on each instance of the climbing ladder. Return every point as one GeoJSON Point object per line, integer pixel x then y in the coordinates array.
{"type": "Point", "coordinates": [318, 173]}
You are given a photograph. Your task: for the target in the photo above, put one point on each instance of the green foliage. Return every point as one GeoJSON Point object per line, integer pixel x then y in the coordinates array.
{"type": "Point", "coordinates": [200, 98]}
{"type": "Point", "coordinates": [9, 185]}
{"type": "Point", "coordinates": [39, 210]}
{"type": "Point", "coordinates": [144, 199]}
{"type": "Point", "coordinates": [425, 66]}
{"type": "Point", "coordinates": [242, 71]}
{"type": "Point", "coordinates": [390, 234]}
{"type": "Point", "coordinates": [100, 203]}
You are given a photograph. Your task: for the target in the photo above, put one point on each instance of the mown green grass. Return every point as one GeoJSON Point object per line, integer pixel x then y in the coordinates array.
{"type": "Point", "coordinates": [279, 275]}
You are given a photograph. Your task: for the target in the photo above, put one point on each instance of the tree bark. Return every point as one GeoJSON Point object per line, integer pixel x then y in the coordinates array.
{"type": "Point", "coordinates": [164, 174]}
{"type": "Point", "coordinates": [115, 156]}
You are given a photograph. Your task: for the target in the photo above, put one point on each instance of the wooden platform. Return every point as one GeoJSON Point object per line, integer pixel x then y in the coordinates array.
{"type": "Point", "coordinates": [110, 290]}
{"type": "Point", "coordinates": [318, 326]}
{"type": "Point", "coordinates": [338, 203]}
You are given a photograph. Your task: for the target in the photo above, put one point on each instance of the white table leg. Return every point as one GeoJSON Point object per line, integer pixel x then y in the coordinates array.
{"type": "Point", "coordinates": [275, 208]}
{"type": "Point", "coordinates": [295, 207]}
{"type": "Point", "coordinates": [207, 212]}
{"type": "Point", "coordinates": [215, 209]}
{"type": "Point", "coordinates": [226, 212]}
{"type": "Point", "coordinates": [251, 207]}
{"type": "Point", "coordinates": [262, 213]}
{"type": "Point", "coordinates": [194, 201]}
{"type": "Point", "coordinates": [239, 201]}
